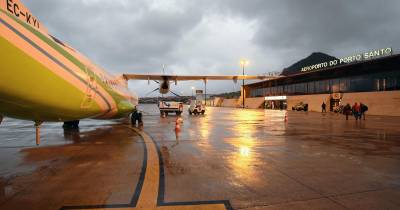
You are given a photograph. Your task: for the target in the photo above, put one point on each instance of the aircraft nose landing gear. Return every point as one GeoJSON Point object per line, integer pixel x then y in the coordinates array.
{"type": "Point", "coordinates": [137, 116]}
{"type": "Point", "coordinates": [37, 125]}
{"type": "Point", "coordinates": [71, 125]}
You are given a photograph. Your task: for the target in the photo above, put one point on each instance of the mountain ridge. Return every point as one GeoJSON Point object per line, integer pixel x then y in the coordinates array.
{"type": "Point", "coordinates": [314, 58]}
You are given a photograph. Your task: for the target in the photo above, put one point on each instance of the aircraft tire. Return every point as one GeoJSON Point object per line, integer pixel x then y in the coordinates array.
{"type": "Point", "coordinates": [71, 124]}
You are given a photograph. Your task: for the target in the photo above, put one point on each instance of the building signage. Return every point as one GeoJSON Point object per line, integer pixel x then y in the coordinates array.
{"type": "Point", "coordinates": [350, 59]}
{"type": "Point", "coordinates": [275, 98]}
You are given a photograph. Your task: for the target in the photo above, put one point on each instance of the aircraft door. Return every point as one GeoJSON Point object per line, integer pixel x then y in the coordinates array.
{"type": "Point", "coordinates": [91, 89]}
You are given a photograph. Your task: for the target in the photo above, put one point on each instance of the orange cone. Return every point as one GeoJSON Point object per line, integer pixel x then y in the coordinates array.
{"type": "Point", "coordinates": [178, 125]}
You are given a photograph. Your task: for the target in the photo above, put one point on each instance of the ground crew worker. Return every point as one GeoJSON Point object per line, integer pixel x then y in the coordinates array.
{"type": "Point", "coordinates": [136, 116]}
{"type": "Point", "coordinates": [357, 111]}
{"type": "Point", "coordinates": [323, 107]}
{"type": "Point", "coordinates": [364, 108]}
{"type": "Point", "coordinates": [347, 111]}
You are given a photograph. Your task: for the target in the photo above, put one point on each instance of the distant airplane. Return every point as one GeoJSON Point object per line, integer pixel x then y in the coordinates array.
{"type": "Point", "coordinates": [43, 79]}
{"type": "Point", "coordinates": [165, 80]}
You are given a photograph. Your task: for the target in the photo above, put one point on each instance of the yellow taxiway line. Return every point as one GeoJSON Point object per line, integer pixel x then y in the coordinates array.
{"type": "Point", "coordinates": [149, 193]}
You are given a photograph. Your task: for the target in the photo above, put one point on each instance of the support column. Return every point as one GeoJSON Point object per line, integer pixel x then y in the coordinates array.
{"type": "Point", "coordinates": [205, 91]}
{"type": "Point", "coordinates": [37, 126]}
{"type": "Point", "coordinates": [1, 118]}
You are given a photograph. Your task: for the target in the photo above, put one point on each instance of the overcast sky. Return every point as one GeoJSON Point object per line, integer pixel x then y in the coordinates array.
{"type": "Point", "coordinates": [211, 36]}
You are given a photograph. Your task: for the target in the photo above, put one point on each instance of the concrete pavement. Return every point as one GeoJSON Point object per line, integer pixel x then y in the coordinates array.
{"type": "Point", "coordinates": [229, 158]}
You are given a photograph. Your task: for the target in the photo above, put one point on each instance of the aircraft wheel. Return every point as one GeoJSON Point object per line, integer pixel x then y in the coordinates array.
{"type": "Point", "coordinates": [203, 112]}
{"type": "Point", "coordinates": [71, 124]}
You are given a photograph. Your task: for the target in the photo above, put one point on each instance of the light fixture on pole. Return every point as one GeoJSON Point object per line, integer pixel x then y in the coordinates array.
{"type": "Point", "coordinates": [193, 91]}
{"type": "Point", "coordinates": [244, 63]}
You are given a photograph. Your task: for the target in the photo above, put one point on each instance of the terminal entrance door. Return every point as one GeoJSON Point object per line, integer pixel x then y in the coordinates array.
{"type": "Point", "coordinates": [336, 98]}
{"type": "Point", "coordinates": [334, 103]}
{"type": "Point", "coordinates": [276, 104]}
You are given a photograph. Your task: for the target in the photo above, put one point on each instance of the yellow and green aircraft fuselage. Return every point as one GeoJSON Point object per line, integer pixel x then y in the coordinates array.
{"type": "Point", "coordinates": [44, 79]}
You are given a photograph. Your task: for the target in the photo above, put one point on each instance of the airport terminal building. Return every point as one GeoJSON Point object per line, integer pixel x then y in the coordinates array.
{"type": "Point", "coordinates": [374, 82]}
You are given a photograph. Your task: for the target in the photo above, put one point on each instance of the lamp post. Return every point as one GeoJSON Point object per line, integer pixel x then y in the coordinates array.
{"type": "Point", "coordinates": [243, 62]}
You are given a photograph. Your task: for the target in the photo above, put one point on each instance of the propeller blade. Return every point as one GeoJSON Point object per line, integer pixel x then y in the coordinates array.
{"type": "Point", "coordinates": [175, 94]}
{"type": "Point", "coordinates": [156, 81]}
{"type": "Point", "coordinates": [153, 91]}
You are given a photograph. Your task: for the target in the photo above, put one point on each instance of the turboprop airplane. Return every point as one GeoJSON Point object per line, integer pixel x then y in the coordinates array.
{"type": "Point", "coordinates": [42, 79]}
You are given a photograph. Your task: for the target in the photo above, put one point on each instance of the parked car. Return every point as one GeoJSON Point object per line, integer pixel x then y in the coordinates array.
{"type": "Point", "coordinates": [338, 109]}
{"type": "Point", "coordinates": [196, 107]}
{"type": "Point", "coordinates": [300, 107]}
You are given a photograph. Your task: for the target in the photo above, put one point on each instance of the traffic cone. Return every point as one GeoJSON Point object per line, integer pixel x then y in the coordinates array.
{"type": "Point", "coordinates": [286, 117]}
{"type": "Point", "coordinates": [177, 125]}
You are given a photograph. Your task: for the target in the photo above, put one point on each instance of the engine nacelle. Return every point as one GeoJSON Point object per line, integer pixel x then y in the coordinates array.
{"type": "Point", "coordinates": [164, 87]}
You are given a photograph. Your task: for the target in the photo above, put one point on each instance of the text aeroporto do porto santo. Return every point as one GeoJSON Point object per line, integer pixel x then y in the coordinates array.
{"type": "Point", "coordinates": [350, 59]}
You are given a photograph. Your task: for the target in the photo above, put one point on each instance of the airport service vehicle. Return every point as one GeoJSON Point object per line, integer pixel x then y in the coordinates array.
{"type": "Point", "coordinates": [43, 79]}
{"type": "Point", "coordinates": [196, 107]}
{"type": "Point", "coordinates": [300, 107]}
{"type": "Point", "coordinates": [167, 107]}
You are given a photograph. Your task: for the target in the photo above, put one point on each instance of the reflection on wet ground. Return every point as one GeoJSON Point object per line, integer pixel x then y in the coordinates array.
{"type": "Point", "coordinates": [256, 159]}
{"type": "Point", "coordinates": [100, 163]}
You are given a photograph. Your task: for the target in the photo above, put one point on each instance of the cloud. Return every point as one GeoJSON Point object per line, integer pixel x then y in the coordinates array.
{"type": "Point", "coordinates": [211, 36]}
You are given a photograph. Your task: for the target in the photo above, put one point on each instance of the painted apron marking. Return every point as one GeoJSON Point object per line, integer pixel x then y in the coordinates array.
{"type": "Point", "coordinates": [149, 193]}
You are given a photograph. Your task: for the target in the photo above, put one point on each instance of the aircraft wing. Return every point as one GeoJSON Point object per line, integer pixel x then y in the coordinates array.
{"type": "Point", "coordinates": [187, 78]}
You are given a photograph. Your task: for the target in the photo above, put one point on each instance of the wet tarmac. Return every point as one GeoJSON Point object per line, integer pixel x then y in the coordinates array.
{"type": "Point", "coordinates": [227, 159]}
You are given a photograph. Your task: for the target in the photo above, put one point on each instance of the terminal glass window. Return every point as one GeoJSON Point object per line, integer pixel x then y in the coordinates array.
{"type": "Point", "coordinates": [384, 81]}
{"type": "Point", "coordinates": [344, 85]}
{"type": "Point", "coordinates": [390, 83]}
{"type": "Point", "coordinates": [360, 84]}
{"type": "Point", "coordinates": [267, 91]}
{"type": "Point", "coordinates": [311, 87]}
{"type": "Point", "coordinates": [322, 86]}
{"type": "Point", "coordinates": [291, 89]}
{"type": "Point", "coordinates": [280, 90]}
{"type": "Point", "coordinates": [286, 89]}
{"type": "Point", "coordinates": [300, 88]}
{"type": "Point", "coordinates": [335, 86]}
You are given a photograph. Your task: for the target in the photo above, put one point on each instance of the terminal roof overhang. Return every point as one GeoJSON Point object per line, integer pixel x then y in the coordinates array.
{"type": "Point", "coordinates": [389, 63]}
